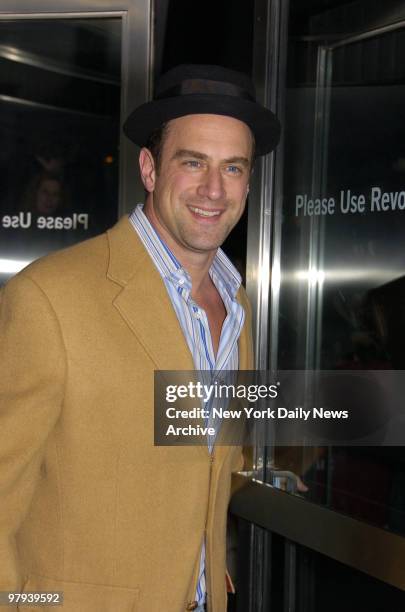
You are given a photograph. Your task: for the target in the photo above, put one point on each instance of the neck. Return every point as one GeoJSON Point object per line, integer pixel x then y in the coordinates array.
{"type": "Point", "coordinates": [196, 263]}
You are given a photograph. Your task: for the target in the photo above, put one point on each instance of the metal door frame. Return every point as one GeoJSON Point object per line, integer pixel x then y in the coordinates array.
{"type": "Point", "coordinates": [354, 543]}
{"type": "Point", "coordinates": [263, 247]}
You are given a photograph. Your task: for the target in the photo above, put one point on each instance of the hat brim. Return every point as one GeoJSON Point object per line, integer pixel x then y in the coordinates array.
{"type": "Point", "coordinates": [151, 115]}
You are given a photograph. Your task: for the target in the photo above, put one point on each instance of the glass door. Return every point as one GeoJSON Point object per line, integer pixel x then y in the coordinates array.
{"type": "Point", "coordinates": [328, 292]}
{"type": "Point", "coordinates": [68, 78]}
{"type": "Point", "coordinates": [341, 294]}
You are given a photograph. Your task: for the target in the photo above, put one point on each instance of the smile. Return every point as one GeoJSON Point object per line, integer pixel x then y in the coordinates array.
{"type": "Point", "coordinates": [205, 213]}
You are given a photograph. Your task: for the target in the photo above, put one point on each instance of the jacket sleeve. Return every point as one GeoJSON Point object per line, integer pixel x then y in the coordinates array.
{"type": "Point", "coordinates": [32, 374]}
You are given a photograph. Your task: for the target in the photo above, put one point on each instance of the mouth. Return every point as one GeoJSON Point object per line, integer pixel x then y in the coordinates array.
{"type": "Point", "coordinates": [206, 214]}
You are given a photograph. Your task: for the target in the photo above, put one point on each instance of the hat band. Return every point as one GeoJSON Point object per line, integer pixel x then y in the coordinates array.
{"type": "Point", "coordinates": [205, 86]}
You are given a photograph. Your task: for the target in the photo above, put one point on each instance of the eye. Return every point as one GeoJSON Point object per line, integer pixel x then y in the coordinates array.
{"type": "Point", "coordinates": [233, 169]}
{"type": "Point", "coordinates": [192, 163]}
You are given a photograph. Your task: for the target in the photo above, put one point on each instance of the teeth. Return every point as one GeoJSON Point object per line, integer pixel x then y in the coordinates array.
{"type": "Point", "coordinates": [204, 213]}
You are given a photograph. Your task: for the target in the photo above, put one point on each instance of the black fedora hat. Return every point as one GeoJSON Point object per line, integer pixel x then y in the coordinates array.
{"type": "Point", "coordinates": [191, 89]}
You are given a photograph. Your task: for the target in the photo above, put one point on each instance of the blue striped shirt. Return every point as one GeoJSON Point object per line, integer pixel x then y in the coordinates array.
{"type": "Point", "coordinates": [193, 319]}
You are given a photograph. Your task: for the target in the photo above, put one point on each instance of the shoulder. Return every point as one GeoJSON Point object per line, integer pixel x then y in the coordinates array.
{"type": "Point", "coordinates": [69, 266]}
{"type": "Point", "coordinates": [59, 280]}
{"type": "Point", "coordinates": [82, 263]}
{"type": "Point", "coordinates": [90, 269]}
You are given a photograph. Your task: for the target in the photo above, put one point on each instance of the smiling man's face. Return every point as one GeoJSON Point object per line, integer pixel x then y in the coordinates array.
{"type": "Point", "coordinates": [200, 191]}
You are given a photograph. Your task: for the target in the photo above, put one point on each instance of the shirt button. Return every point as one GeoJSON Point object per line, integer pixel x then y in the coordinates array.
{"type": "Point", "coordinates": [197, 315]}
{"type": "Point", "coordinates": [192, 605]}
{"type": "Point", "coordinates": [181, 281]}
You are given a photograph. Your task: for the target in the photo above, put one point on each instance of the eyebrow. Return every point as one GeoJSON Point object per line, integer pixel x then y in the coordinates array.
{"type": "Point", "coordinates": [180, 153]}
{"type": "Point", "coordinates": [189, 153]}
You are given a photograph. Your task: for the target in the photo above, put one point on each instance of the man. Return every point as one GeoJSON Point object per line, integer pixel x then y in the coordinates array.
{"type": "Point", "coordinates": [88, 505]}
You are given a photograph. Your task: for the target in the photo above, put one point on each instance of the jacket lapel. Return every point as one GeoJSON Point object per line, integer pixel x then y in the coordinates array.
{"type": "Point", "coordinates": [143, 301]}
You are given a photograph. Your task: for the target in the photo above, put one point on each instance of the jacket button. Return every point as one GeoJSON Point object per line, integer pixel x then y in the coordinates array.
{"type": "Point", "coordinates": [192, 605]}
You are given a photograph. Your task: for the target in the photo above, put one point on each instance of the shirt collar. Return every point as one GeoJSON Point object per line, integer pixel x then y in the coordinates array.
{"type": "Point", "coordinates": [168, 265]}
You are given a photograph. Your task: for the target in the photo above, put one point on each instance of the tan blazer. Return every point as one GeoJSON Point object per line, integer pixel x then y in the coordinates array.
{"type": "Point", "coordinates": [88, 505]}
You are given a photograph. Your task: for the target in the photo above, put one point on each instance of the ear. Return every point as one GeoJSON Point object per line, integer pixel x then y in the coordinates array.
{"type": "Point", "coordinates": [147, 169]}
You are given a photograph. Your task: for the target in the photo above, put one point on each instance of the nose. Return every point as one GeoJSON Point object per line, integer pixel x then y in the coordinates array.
{"type": "Point", "coordinates": [212, 185]}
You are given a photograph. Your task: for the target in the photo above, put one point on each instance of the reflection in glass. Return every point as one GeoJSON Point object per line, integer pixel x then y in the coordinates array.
{"type": "Point", "coordinates": [59, 128]}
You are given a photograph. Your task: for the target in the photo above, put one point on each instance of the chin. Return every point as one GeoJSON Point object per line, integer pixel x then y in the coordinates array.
{"type": "Point", "coordinates": [207, 243]}
{"type": "Point", "coordinates": [204, 248]}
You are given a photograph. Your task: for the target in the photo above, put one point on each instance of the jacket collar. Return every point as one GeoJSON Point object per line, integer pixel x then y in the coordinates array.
{"type": "Point", "coordinates": [145, 305]}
